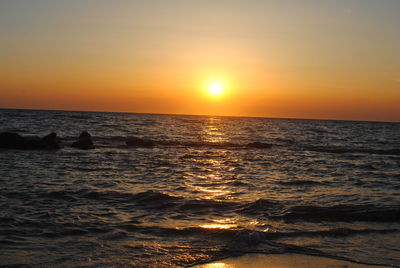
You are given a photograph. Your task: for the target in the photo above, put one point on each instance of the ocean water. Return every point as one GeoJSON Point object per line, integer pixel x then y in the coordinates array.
{"type": "Point", "coordinates": [208, 189]}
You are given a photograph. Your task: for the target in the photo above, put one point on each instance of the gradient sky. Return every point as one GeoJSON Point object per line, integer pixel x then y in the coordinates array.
{"type": "Point", "coordinates": [300, 59]}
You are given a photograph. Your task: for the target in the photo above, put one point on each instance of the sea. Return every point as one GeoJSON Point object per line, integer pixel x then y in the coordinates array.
{"type": "Point", "coordinates": [206, 188]}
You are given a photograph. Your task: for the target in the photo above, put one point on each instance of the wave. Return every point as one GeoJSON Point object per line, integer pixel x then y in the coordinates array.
{"type": "Point", "coordinates": [341, 150]}
{"type": "Point", "coordinates": [338, 213]}
{"type": "Point", "coordinates": [156, 200]}
{"type": "Point", "coordinates": [300, 183]}
{"type": "Point", "coordinates": [136, 142]}
{"type": "Point", "coordinates": [143, 142]}
{"type": "Point", "coordinates": [341, 213]}
{"type": "Point", "coordinates": [71, 195]}
{"type": "Point", "coordinates": [52, 229]}
{"type": "Point", "coordinates": [146, 200]}
{"type": "Point", "coordinates": [239, 233]}
{"type": "Point", "coordinates": [261, 206]}
{"type": "Point", "coordinates": [274, 210]}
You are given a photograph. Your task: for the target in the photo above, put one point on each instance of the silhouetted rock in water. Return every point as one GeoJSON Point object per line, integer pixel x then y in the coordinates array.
{"type": "Point", "coordinates": [84, 142]}
{"type": "Point", "coordinates": [51, 140]}
{"type": "Point", "coordinates": [137, 142]}
{"type": "Point", "coordinates": [11, 140]}
{"type": "Point", "coordinates": [260, 145]}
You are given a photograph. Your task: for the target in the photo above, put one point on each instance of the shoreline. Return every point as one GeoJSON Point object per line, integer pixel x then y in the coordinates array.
{"type": "Point", "coordinates": [285, 260]}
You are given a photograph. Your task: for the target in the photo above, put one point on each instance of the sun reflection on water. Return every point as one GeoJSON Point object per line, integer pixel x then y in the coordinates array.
{"type": "Point", "coordinates": [217, 265]}
{"type": "Point", "coordinates": [211, 182]}
{"type": "Point", "coordinates": [213, 131]}
{"type": "Point", "coordinates": [220, 224]}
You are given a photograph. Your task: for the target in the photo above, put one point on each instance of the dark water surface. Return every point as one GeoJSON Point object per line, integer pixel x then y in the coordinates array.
{"type": "Point", "coordinates": [209, 188]}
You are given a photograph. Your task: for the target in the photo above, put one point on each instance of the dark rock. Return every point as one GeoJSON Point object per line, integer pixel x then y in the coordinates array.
{"type": "Point", "coordinates": [259, 145]}
{"type": "Point", "coordinates": [138, 142]}
{"type": "Point", "coordinates": [51, 140]}
{"type": "Point", "coordinates": [11, 140]}
{"type": "Point", "coordinates": [84, 142]}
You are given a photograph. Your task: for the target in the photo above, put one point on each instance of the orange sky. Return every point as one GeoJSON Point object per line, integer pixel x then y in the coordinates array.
{"type": "Point", "coordinates": [298, 59]}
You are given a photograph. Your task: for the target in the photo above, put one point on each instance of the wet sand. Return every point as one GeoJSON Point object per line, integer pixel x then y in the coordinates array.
{"type": "Point", "coordinates": [282, 261]}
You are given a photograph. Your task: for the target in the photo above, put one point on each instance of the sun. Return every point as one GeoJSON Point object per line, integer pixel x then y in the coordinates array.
{"type": "Point", "coordinates": [215, 89]}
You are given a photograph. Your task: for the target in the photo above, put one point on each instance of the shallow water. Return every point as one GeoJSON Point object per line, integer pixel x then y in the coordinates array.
{"type": "Point", "coordinates": [210, 187]}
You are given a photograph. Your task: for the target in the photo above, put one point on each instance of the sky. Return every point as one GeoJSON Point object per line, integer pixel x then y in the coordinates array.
{"type": "Point", "coordinates": [293, 59]}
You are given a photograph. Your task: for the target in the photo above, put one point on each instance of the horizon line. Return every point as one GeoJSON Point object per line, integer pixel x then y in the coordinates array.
{"type": "Point", "coordinates": [209, 115]}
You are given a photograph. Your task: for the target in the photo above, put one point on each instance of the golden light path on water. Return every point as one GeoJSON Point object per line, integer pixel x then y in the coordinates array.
{"type": "Point", "coordinates": [219, 265]}
{"type": "Point", "coordinates": [220, 224]}
{"type": "Point", "coordinates": [213, 131]}
{"type": "Point", "coordinates": [212, 186]}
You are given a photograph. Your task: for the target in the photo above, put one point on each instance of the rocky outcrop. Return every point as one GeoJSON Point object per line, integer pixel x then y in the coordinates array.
{"type": "Point", "coordinates": [84, 142]}
{"type": "Point", "coordinates": [10, 140]}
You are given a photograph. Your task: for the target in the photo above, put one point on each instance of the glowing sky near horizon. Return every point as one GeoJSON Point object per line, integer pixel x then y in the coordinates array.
{"type": "Point", "coordinates": [301, 59]}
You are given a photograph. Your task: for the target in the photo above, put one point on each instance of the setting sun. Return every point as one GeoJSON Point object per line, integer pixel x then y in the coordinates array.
{"type": "Point", "coordinates": [182, 132]}
{"type": "Point", "coordinates": [215, 89]}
